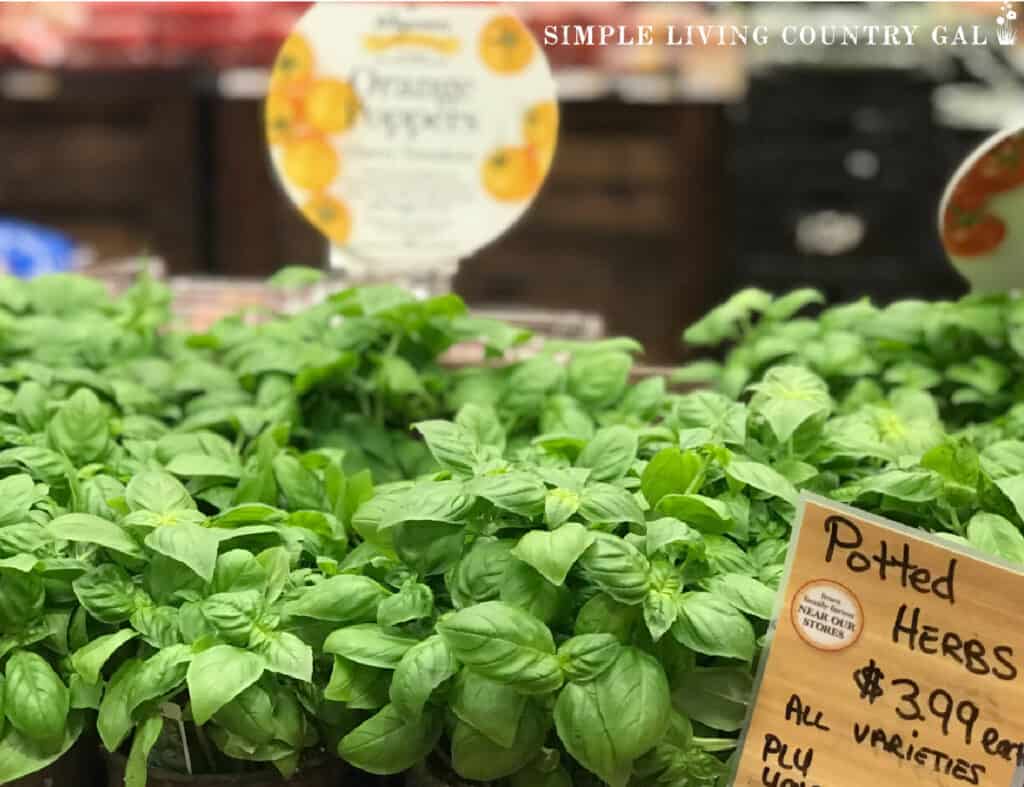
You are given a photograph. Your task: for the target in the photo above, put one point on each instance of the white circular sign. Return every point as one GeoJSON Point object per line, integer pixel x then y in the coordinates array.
{"type": "Point", "coordinates": [409, 134]}
{"type": "Point", "coordinates": [981, 216]}
{"type": "Point", "coordinates": [827, 615]}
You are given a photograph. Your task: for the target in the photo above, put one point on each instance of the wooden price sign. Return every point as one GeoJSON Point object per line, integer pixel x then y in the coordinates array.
{"type": "Point", "coordinates": [897, 658]}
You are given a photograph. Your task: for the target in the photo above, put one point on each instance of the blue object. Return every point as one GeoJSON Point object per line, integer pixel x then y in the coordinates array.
{"type": "Point", "coordinates": [28, 250]}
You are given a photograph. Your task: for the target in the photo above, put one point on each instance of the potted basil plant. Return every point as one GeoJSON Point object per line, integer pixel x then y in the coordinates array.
{"type": "Point", "coordinates": [555, 626]}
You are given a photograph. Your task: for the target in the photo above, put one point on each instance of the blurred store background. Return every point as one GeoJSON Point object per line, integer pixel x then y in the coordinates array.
{"type": "Point", "coordinates": [681, 175]}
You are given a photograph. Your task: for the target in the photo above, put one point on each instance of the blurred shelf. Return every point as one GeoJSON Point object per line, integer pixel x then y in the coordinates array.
{"type": "Point", "coordinates": [972, 107]}
{"type": "Point", "coordinates": [575, 84]}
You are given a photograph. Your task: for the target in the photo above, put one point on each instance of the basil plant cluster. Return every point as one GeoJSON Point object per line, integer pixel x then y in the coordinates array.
{"type": "Point", "coordinates": [177, 546]}
{"type": "Point", "coordinates": [307, 537]}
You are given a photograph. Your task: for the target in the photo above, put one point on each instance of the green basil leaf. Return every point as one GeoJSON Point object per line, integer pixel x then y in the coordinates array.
{"type": "Point", "coordinates": [787, 397]}
{"type": "Point", "coordinates": [478, 575]}
{"type": "Point", "coordinates": [525, 588]}
{"type": "Point", "coordinates": [598, 379]}
{"type": "Point", "coordinates": [218, 675]}
{"type": "Point", "coordinates": [89, 529]}
{"type": "Point", "coordinates": [670, 472]}
{"type": "Point", "coordinates": [391, 741]}
{"type": "Point", "coordinates": [158, 626]}
{"type": "Point", "coordinates": [529, 384]}
{"type": "Point", "coordinates": [483, 424]}
{"type": "Point", "coordinates": [709, 624]}
{"type": "Point", "coordinates": [369, 644]}
{"type": "Point", "coordinates": [553, 553]}
{"type": "Point", "coordinates": [994, 535]}
{"type": "Point", "coordinates": [79, 429]}
{"type": "Point", "coordinates": [1003, 459]}
{"type": "Point", "coordinates": [298, 484]}
{"type": "Point", "coordinates": [414, 601]}
{"type": "Point", "coordinates": [505, 644]}
{"type": "Point", "coordinates": [473, 699]}
{"type": "Point", "coordinates": [725, 556]}
{"type": "Point", "coordinates": [17, 495]}
{"type": "Point", "coordinates": [233, 615]}
{"type": "Point", "coordinates": [358, 686]}
{"type": "Point", "coordinates": [36, 701]}
{"type": "Point", "coordinates": [909, 486]}
{"type": "Point", "coordinates": [239, 570]}
{"type": "Point", "coordinates": [610, 453]}
{"type": "Point", "coordinates": [107, 593]}
{"type": "Point", "coordinates": [191, 465]}
{"type": "Point", "coordinates": [475, 756]}
{"type": "Point", "coordinates": [22, 598]}
{"type": "Point", "coordinates": [284, 653]}
{"type": "Point", "coordinates": [157, 492]}
{"type": "Point", "coordinates": [762, 478]}
{"type": "Point", "coordinates": [345, 598]}
{"type": "Point", "coordinates": [605, 503]}
{"type": "Point", "coordinates": [88, 661]}
{"type": "Point", "coordinates": [114, 721]}
{"type": "Point", "coordinates": [137, 766]}
{"type": "Point", "coordinates": [559, 505]}
{"type": "Point", "coordinates": [1013, 488]}
{"type": "Point", "coordinates": [747, 594]}
{"type": "Point", "coordinates": [434, 501]}
{"type": "Point", "coordinates": [424, 667]}
{"type": "Point", "coordinates": [160, 675]}
{"type": "Point", "coordinates": [84, 695]}
{"type": "Point", "coordinates": [587, 656]}
{"type": "Point", "coordinates": [661, 608]}
{"type": "Point", "coordinates": [276, 566]}
{"type": "Point", "coordinates": [716, 696]}
{"type": "Point", "coordinates": [725, 419]}
{"type": "Point", "coordinates": [589, 735]}
{"type": "Point", "coordinates": [616, 567]}
{"type": "Point", "coordinates": [517, 492]}
{"type": "Point", "coordinates": [193, 545]}
{"type": "Point", "coordinates": [604, 615]}
{"type": "Point", "coordinates": [428, 548]}
{"type": "Point", "coordinates": [705, 514]}
{"type": "Point", "coordinates": [667, 531]}
{"type": "Point", "coordinates": [21, 757]}
{"type": "Point", "coordinates": [452, 445]}
{"type": "Point", "coordinates": [249, 715]}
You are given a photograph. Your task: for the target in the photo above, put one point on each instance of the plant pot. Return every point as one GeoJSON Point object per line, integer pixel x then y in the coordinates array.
{"type": "Point", "coordinates": [434, 773]}
{"type": "Point", "coordinates": [319, 773]}
{"type": "Point", "coordinates": [82, 766]}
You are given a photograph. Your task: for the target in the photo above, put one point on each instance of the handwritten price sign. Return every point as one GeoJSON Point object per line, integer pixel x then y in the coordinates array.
{"type": "Point", "coordinates": [896, 659]}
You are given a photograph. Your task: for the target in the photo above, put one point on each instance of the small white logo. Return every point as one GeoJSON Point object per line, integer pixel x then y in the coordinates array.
{"type": "Point", "coordinates": [1007, 24]}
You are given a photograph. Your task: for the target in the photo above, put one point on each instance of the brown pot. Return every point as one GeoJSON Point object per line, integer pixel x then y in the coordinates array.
{"type": "Point", "coordinates": [82, 766]}
{"type": "Point", "coordinates": [329, 773]}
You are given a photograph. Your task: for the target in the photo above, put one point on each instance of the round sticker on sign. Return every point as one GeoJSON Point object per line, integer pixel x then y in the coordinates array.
{"type": "Point", "coordinates": [411, 135]}
{"type": "Point", "coordinates": [827, 615]}
{"type": "Point", "coordinates": [982, 215]}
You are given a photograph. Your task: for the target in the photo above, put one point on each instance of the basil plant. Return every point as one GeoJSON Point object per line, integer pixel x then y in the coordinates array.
{"type": "Point", "coordinates": [41, 701]}
{"type": "Point", "coordinates": [576, 611]}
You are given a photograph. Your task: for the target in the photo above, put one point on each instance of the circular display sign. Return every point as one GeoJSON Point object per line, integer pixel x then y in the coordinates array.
{"type": "Point", "coordinates": [981, 216]}
{"type": "Point", "coordinates": [827, 615]}
{"type": "Point", "coordinates": [411, 135]}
